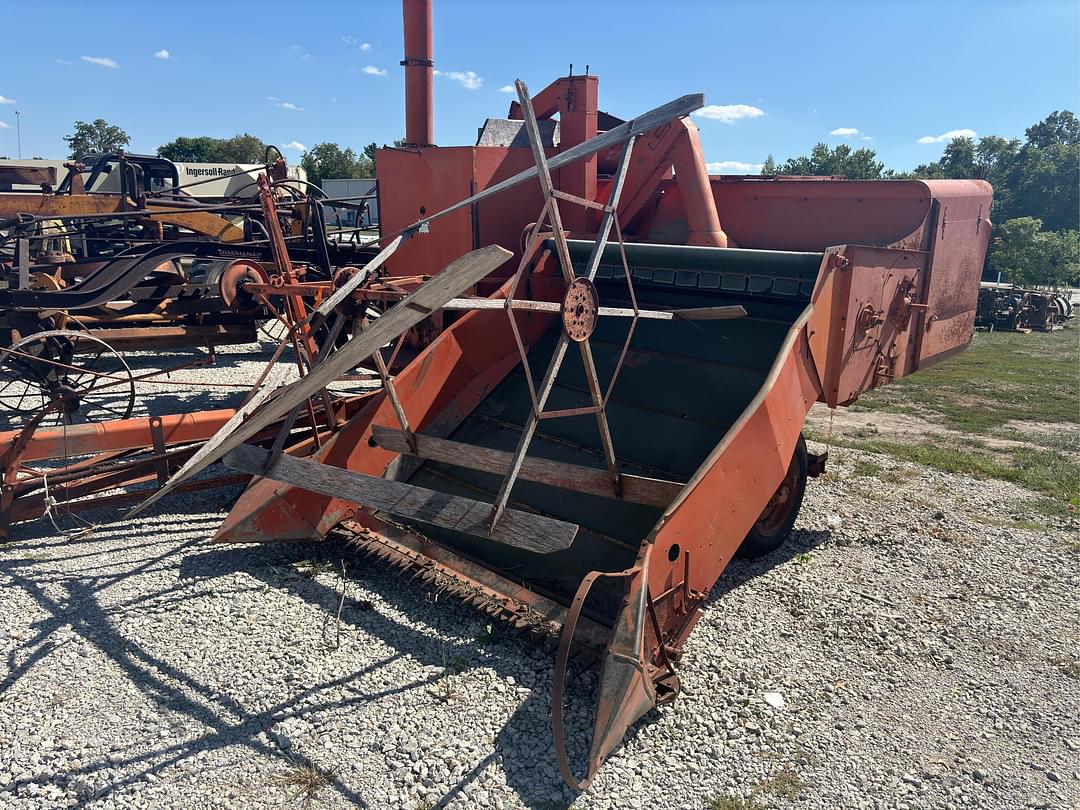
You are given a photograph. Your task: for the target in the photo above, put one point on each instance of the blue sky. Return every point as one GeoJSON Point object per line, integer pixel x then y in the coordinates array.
{"type": "Point", "coordinates": [782, 75]}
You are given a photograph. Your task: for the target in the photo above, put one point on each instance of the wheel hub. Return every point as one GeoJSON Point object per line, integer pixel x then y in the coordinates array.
{"type": "Point", "coordinates": [580, 308]}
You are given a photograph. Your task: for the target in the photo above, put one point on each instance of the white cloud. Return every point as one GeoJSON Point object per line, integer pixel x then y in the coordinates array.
{"type": "Point", "coordinates": [507, 88]}
{"type": "Point", "coordinates": [288, 105]}
{"type": "Point", "coordinates": [734, 167]}
{"type": "Point", "coordinates": [867, 138]}
{"type": "Point", "coordinates": [102, 61]}
{"type": "Point", "coordinates": [844, 132]}
{"type": "Point", "coordinates": [365, 46]}
{"type": "Point", "coordinates": [371, 70]}
{"type": "Point", "coordinates": [466, 78]}
{"type": "Point", "coordinates": [162, 54]}
{"type": "Point", "coordinates": [948, 136]}
{"type": "Point", "coordinates": [729, 113]}
{"type": "Point", "coordinates": [295, 145]}
{"type": "Point", "coordinates": [6, 100]}
{"type": "Point", "coordinates": [4, 126]}
{"type": "Point", "coordinates": [62, 62]}
{"type": "Point", "coordinates": [349, 39]}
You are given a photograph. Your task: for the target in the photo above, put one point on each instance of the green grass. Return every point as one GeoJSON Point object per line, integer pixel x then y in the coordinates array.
{"type": "Point", "coordinates": [786, 785]}
{"type": "Point", "coordinates": [1000, 377]}
{"type": "Point", "coordinates": [303, 780]}
{"type": "Point", "coordinates": [1045, 471]}
{"type": "Point", "coordinates": [867, 468]}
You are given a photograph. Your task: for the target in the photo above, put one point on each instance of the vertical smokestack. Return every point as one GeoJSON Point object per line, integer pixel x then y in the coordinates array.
{"type": "Point", "coordinates": [419, 127]}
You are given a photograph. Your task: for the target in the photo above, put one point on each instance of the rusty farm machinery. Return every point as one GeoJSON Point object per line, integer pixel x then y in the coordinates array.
{"type": "Point", "coordinates": [1012, 308]}
{"type": "Point", "coordinates": [89, 278]}
{"type": "Point", "coordinates": [610, 405]}
{"type": "Point", "coordinates": [610, 359]}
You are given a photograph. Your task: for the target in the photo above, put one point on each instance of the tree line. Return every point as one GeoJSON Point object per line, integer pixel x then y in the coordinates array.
{"type": "Point", "coordinates": [323, 161]}
{"type": "Point", "coordinates": [1036, 197]}
{"type": "Point", "coordinates": [1036, 194]}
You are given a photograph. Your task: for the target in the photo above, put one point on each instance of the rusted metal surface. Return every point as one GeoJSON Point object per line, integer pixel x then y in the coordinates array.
{"type": "Point", "coordinates": [845, 287]}
{"type": "Point", "coordinates": [1012, 308]}
{"type": "Point", "coordinates": [579, 309]}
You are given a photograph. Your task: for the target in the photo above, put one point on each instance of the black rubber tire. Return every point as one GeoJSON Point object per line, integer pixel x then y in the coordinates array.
{"type": "Point", "coordinates": [757, 542]}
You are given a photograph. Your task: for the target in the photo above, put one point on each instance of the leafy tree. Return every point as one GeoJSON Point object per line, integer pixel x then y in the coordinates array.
{"type": "Point", "coordinates": [326, 161]}
{"type": "Point", "coordinates": [858, 164]}
{"type": "Point", "coordinates": [205, 149]}
{"type": "Point", "coordinates": [1060, 127]}
{"type": "Point", "coordinates": [96, 138]}
{"type": "Point", "coordinates": [1025, 254]}
{"type": "Point", "coordinates": [1044, 184]}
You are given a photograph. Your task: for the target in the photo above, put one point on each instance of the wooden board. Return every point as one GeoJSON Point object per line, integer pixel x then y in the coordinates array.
{"type": "Point", "coordinates": [634, 488]}
{"type": "Point", "coordinates": [724, 313]}
{"type": "Point", "coordinates": [458, 276]}
{"type": "Point", "coordinates": [522, 530]}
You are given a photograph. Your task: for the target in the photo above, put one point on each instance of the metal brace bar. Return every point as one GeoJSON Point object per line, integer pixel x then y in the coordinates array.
{"type": "Point", "coordinates": [391, 392]}
{"type": "Point", "coordinates": [563, 251]}
{"type": "Point", "coordinates": [161, 459]}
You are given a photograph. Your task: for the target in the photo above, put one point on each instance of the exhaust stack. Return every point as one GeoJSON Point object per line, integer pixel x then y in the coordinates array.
{"type": "Point", "coordinates": [419, 104]}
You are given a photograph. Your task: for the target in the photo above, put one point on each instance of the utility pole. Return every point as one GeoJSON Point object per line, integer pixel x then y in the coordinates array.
{"type": "Point", "coordinates": [18, 131]}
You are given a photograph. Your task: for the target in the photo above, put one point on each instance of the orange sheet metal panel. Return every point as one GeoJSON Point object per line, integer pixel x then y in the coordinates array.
{"type": "Point", "coordinates": [861, 328]}
{"type": "Point", "coordinates": [120, 434]}
{"type": "Point", "coordinates": [958, 245]}
{"type": "Point", "coordinates": [425, 181]}
{"type": "Point", "coordinates": [728, 492]}
{"type": "Point", "coordinates": [779, 214]}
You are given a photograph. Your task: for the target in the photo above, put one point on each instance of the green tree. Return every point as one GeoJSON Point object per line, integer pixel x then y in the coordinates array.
{"type": "Point", "coordinates": [328, 161]}
{"type": "Point", "coordinates": [857, 164]}
{"type": "Point", "coordinates": [1043, 181]}
{"type": "Point", "coordinates": [95, 138]}
{"type": "Point", "coordinates": [1060, 127]}
{"type": "Point", "coordinates": [243, 148]}
{"type": "Point", "coordinates": [1027, 255]}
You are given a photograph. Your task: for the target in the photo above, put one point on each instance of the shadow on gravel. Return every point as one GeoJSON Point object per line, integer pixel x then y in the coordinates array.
{"type": "Point", "coordinates": [740, 571]}
{"type": "Point", "coordinates": [523, 745]}
{"type": "Point", "coordinates": [79, 606]}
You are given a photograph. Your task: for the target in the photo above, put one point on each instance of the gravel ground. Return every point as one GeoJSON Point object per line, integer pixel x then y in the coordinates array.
{"type": "Point", "coordinates": [907, 648]}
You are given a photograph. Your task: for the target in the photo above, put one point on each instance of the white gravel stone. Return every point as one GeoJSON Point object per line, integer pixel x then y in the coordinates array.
{"type": "Point", "coordinates": [919, 661]}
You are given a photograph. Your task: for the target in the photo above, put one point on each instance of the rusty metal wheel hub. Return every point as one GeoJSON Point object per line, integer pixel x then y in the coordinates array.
{"type": "Point", "coordinates": [579, 310]}
{"type": "Point", "coordinates": [231, 285]}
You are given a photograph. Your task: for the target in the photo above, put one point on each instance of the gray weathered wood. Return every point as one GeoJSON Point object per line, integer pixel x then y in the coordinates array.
{"type": "Point", "coordinates": [635, 488]}
{"type": "Point", "coordinates": [458, 276]}
{"type": "Point", "coordinates": [347, 289]}
{"type": "Point", "coordinates": [554, 307]}
{"type": "Point", "coordinates": [210, 450]}
{"type": "Point", "coordinates": [524, 530]}
{"type": "Point", "coordinates": [593, 264]}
